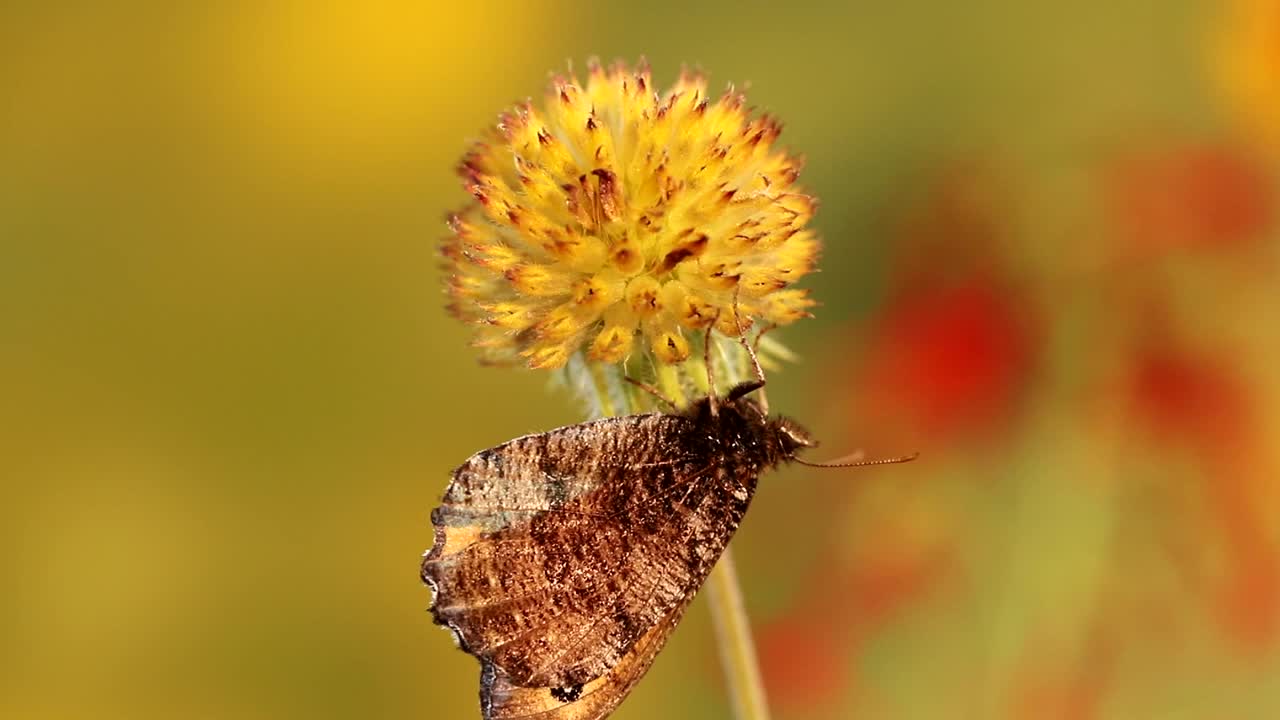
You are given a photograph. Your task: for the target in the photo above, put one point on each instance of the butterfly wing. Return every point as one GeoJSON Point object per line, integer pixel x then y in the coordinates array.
{"type": "Point", "coordinates": [557, 553]}
{"type": "Point", "coordinates": [501, 700]}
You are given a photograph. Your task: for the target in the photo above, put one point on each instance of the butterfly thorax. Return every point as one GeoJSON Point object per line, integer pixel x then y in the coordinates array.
{"type": "Point", "coordinates": [740, 432]}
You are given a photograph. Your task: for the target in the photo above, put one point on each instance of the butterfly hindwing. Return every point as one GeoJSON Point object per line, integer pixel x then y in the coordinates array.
{"type": "Point", "coordinates": [501, 700]}
{"type": "Point", "coordinates": [556, 554]}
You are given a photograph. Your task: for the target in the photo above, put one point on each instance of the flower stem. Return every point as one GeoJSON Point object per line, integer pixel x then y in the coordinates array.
{"type": "Point", "coordinates": [733, 635]}
{"type": "Point", "coordinates": [724, 593]}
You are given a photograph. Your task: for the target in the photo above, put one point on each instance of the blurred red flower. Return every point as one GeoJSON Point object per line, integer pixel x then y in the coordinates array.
{"type": "Point", "coordinates": [1074, 689]}
{"type": "Point", "coordinates": [808, 654]}
{"type": "Point", "coordinates": [805, 658]}
{"type": "Point", "coordinates": [1188, 197]}
{"type": "Point", "coordinates": [947, 360]}
{"type": "Point", "coordinates": [1187, 398]}
{"type": "Point", "coordinates": [950, 351]}
{"type": "Point", "coordinates": [1198, 401]}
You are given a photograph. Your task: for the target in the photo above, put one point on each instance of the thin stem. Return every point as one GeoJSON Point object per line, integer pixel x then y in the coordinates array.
{"type": "Point", "coordinates": [738, 657]}
{"type": "Point", "coordinates": [733, 635]}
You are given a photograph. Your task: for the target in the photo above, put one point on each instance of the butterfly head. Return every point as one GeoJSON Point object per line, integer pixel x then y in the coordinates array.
{"type": "Point", "coordinates": [782, 436]}
{"type": "Point", "coordinates": [790, 436]}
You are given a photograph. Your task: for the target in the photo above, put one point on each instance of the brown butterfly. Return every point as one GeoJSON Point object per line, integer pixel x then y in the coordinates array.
{"type": "Point", "coordinates": [563, 560]}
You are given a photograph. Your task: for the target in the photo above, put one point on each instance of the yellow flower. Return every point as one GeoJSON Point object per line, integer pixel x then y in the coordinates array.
{"type": "Point", "coordinates": [615, 220]}
{"type": "Point", "coordinates": [1247, 58]}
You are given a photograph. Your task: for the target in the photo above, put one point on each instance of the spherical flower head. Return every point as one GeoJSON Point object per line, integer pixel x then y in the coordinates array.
{"type": "Point", "coordinates": [614, 220]}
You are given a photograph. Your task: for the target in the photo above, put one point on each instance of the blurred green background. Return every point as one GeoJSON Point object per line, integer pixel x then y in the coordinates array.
{"type": "Point", "coordinates": [231, 396]}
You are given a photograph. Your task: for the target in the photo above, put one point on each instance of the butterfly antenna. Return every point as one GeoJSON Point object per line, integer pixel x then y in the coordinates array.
{"type": "Point", "coordinates": [653, 391]}
{"type": "Point", "coordinates": [711, 378]}
{"type": "Point", "coordinates": [751, 352]}
{"type": "Point", "coordinates": [842, 463]}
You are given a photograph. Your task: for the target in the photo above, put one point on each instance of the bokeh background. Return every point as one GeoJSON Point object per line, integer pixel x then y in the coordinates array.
{"type": "Point", "coordinates": [231, 396]}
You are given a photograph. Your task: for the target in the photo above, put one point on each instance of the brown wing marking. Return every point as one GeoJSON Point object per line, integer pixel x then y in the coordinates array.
{"type": "Point", "coordinates": [563, 608]}
{"type": "Point", "coordinates": [499, 590]}
{"type": "Point", "coordinates": [642, 600]}
{"type": "Point", "coordinates": [502, 486]}
{"type": "Point", "coordinates": [502, 700]}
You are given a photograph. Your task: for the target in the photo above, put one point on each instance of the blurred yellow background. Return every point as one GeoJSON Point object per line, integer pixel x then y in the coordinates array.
{"type": "Point", "coordinates": [232, 396]}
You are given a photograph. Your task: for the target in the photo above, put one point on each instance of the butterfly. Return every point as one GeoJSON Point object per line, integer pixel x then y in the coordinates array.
{"type": "Point", "coordinates": [563, 560]}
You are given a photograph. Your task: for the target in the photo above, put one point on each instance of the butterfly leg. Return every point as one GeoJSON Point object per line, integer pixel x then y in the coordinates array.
{"type": "Point", "coordinates": [759, 383]}
{"type": "Point", "coordinates": [706, 360]}
{"type": "Point", "coordinates": [653, 391]}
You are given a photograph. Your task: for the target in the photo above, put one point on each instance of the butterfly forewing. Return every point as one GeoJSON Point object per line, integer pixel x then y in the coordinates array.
{"type": "Point", "coordinates": [557, 553]}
